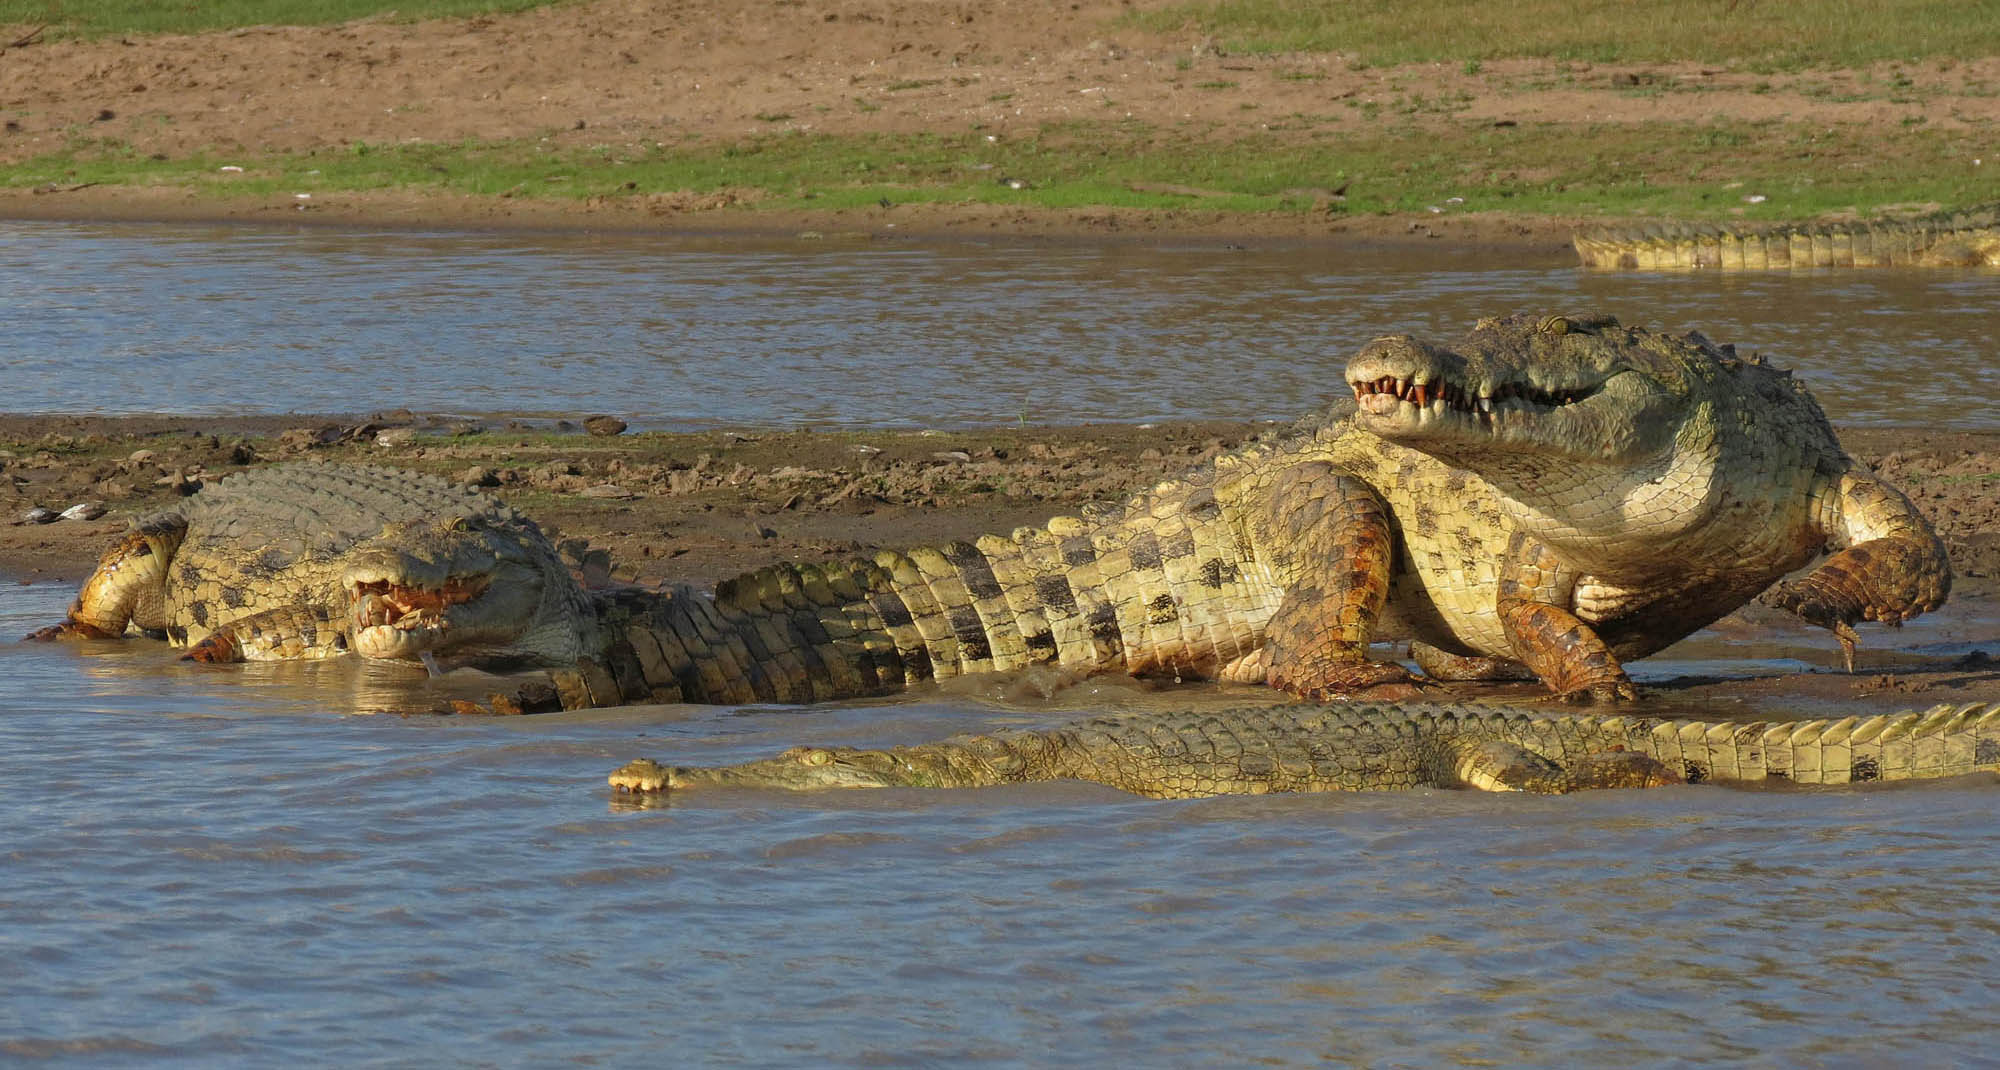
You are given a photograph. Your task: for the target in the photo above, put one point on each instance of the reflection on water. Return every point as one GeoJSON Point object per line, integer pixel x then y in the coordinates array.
{"type": "Point", "coordinates": [212, 864]}
{"type": "Point", "coordinates": [687, 332]}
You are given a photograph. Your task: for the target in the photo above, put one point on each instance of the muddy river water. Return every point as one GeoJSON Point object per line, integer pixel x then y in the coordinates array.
{"type": "Point", "coordinates": [238, 866]}
{"type": "Point", "coordinates": [689, 333]}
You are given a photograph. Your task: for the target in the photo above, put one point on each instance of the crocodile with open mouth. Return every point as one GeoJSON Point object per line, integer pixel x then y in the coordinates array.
{"type": "Point", "coordinates": [1549, 495]}
{"type": "Point", "coordinates": [317, 560]}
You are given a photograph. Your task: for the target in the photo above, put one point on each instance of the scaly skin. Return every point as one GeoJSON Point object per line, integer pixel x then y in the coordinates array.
{"type": "Point", "coordinates": [314, 561]}
{"type": "Point", "coordinates": [1549, 495]}
{"type": "Point", "coordinates": [1948, 239]}
{"type": "Point", "coordinates": [1375, 747]}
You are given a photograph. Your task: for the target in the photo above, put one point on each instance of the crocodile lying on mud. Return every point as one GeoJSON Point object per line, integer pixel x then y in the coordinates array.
{"type": "Point", "coordinates": [1376, 747]}
{"type": "Point", "coordinates": [1969, 238]}
{"type": "Point", "coordinates": [1550, 495]}
{"type": "Point", "coordinates": [313, 561]}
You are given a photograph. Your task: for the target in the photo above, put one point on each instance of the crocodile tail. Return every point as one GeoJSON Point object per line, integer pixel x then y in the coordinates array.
{"type": "Point", "coordinates": [1967, 237]}
{"type": "Point", "coordinates": [1919, 744]}
{"type": "Point", "coordinates": [1153, 588]}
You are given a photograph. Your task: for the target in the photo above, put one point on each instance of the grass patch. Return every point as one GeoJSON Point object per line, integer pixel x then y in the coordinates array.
{"type": "Point", "coordinates": [1789, 36]}
{"type": "Point", "coordinates": [1686, 170]}
{"type": "Point", "coordinates": [103, 18]}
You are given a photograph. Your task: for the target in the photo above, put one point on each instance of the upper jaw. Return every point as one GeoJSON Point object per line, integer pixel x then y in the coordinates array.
{"type": "Point", "coordinates": [1403, 385]}
{"type": "Point", "coordinates": [1437, 401]}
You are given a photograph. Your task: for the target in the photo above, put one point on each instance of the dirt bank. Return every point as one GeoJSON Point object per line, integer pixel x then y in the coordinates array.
{"type": "Point", "coordinates": [618, 74]}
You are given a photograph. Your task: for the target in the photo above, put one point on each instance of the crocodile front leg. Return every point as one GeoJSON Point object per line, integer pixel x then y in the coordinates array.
{"type": "Point", "coordinates": [1333, 550]}
{"type": "Point", "coordinates": [284, 633]}
{"type": "Point", "coordinates": [1893, 568]}
{"type": "Point", "coordinates": [1564, 652]}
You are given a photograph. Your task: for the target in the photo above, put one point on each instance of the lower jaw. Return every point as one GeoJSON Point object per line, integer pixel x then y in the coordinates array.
{"type": "Point", "coordinates": [387, 642]}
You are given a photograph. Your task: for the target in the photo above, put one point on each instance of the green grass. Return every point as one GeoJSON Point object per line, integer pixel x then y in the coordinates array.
{"type": "Point", "coordinates": [101, 18]}
{"type": "Point", "coordinates": [1687, 170]}
{"type": "Point", "coordinates": [1761, 34]}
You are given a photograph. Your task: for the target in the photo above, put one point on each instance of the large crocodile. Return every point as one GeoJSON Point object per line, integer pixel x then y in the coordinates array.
{"type": "Point", "coordinates": [1550, 494]}
{"type": "Point", "coordinates": [1374, 747]}
{"type": "Point", "coordinates": [1969, 238]}
{"type": "Point", "coordinates": [313, 561]}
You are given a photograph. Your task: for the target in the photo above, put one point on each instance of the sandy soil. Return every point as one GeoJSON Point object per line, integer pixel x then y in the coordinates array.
{"type": "Point", "coordinates": [698, 507]}
{"type": "Point", "coordinates": [623, 72]}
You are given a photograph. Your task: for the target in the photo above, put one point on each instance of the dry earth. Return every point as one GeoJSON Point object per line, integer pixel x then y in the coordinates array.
{"type": "Point", "coordinates": [624, 72]}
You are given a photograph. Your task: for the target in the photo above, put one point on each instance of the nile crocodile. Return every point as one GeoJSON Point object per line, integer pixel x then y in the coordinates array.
{"type": "Point", "coordinates": [1550, 495]}
{"type": "Point", "coordinates": [312, 561]}
{"type": "Point", "coordinates": [1376, 747]}
{"type": "Point", "coordinates": [1969, 238]}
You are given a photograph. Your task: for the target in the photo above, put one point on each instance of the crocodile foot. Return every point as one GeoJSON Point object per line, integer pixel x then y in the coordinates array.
{"type": "Point", "coordinates": [217, 649]}
{"type": "Point", "coordinates": [69, 629]}
{"type": "Point", "coordinates": [1349, 680]}
{"type": "Point", "coordinates": [1600, 693]}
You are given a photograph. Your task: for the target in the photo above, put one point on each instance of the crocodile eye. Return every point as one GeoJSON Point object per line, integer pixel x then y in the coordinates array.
{"type": "Point", "coordinates": [1553, 325]}
{"type": "Point", "coordinates": [815, 757]}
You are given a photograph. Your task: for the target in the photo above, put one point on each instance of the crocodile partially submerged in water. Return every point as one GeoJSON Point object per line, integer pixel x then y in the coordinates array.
{"type": "Point", "coordinates": [319, 560]}
{"type": "Point", "coordinates": [1376, 747]}
{"type": "Point", "coordinates": [1550, 495]}
{"type": "Point", "coordinates": [1969, 238]}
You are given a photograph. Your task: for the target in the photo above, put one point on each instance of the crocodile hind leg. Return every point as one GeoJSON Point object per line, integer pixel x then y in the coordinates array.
{"type": "Point", "coordinates": [127, 585]}
{"type": "Point", "coordinates": [1335, 573]}
{"type": "Point", "coordinates": [1497, 765]}
{"type": "Point", "coordinates": [1442, 665]}
{"type": "Point", "coordinates": [1566, 654]}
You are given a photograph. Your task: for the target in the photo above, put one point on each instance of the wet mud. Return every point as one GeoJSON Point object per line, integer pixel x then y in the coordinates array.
{"type": "Point", "coordinates": [696, 507]}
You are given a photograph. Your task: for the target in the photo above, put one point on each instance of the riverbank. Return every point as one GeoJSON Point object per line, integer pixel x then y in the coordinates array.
{"type": "Point", "coordinates": [990, 116]}
{"type": "Point", "coordinates": [696, 507]}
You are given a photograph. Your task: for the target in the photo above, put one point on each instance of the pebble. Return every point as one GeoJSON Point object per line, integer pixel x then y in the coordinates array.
{"type": "Point", "coordinates": [84, 511]}
{"type": "Point", "coordinates": [604, 426]}
{"type": "Point", "coordinates": [396, 436]}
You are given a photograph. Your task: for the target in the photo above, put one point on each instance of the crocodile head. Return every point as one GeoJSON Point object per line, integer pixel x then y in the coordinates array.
{"type": "Point", "coordinates": [1583, 426]}
{"type": "Point", "coordinates": [798, 769]}
{"type": "Point", "coordinates": [461, 586]}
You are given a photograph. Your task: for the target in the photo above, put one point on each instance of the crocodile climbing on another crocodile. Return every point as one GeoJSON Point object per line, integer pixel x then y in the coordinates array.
{"type": "Point", "coordinates": [1968, 238]}
{"type": "Point", "coordinates": [1550, 494]}
{"type": "Point", "coordinates": [1381, 747]}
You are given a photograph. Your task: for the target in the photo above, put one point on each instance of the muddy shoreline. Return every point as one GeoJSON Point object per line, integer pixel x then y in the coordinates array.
{"type": "Point", "coordinates": [1492, 237]}
{"type": "Point", "coordinates": [699, 506]}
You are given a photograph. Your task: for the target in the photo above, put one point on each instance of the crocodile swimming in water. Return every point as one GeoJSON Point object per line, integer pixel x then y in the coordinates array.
{"type": "Point", "coordinates": [1969, 238]}
{"type": "Point", "coordinates": [1550, 495]}
{"type": "Point", "coordinates": [1381, 747]}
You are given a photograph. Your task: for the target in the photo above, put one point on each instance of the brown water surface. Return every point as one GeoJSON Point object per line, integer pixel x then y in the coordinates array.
{"type": "Point", "coordinates": [691, 332]}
